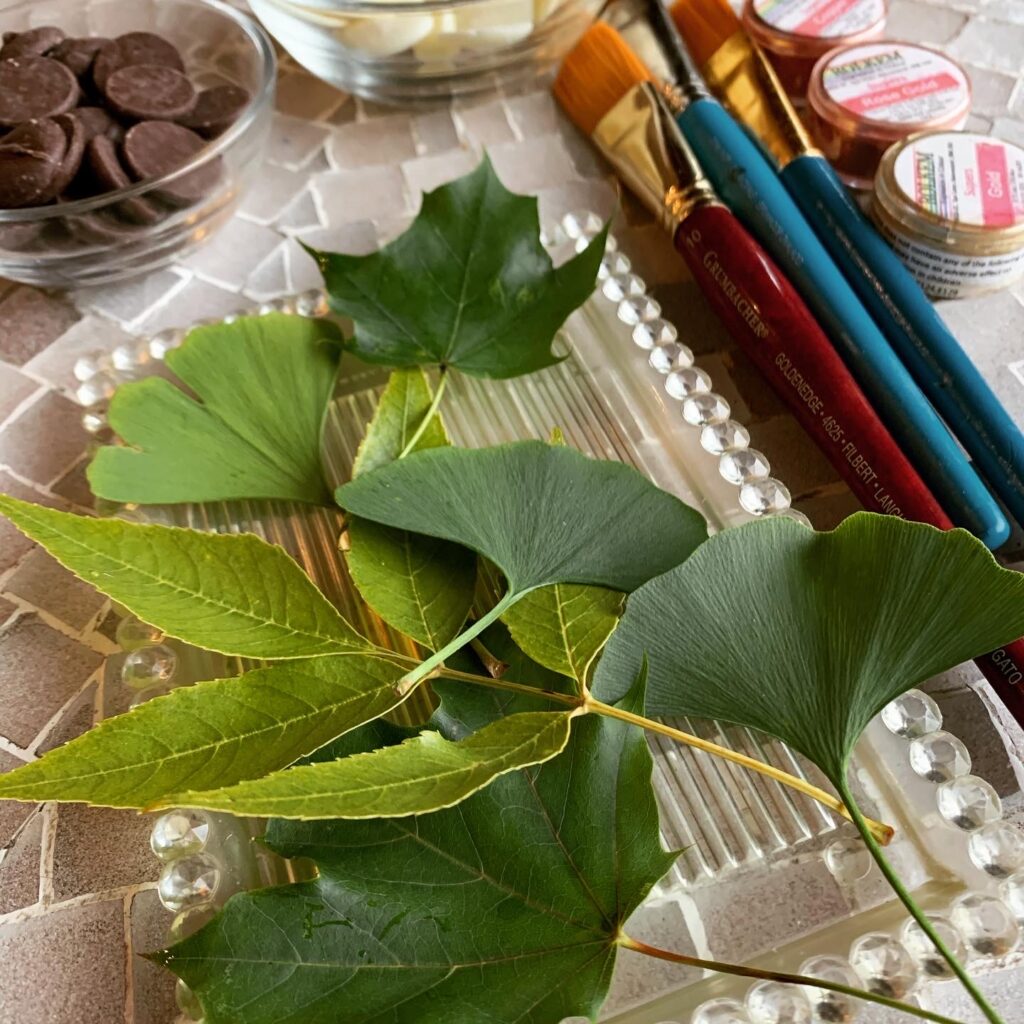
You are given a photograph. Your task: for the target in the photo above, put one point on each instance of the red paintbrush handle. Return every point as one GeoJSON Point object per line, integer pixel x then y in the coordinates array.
{"type": "Point", "coordinates": [769, 321]}
{"type": "Point", "coordinates": [1004, 669]}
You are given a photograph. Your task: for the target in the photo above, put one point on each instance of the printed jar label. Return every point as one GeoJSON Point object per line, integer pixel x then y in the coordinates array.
{"type": "Point", "coordinates": [826, 18]}
{"type": "Point", "coordinates": [898, 84]}
{"type": "Point", "coordinates": [964, 178]}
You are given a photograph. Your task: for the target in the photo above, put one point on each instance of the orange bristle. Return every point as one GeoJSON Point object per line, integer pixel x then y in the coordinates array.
{"type": "Point", "coordinates": [704, 26]}
{"type": "Point", "coordinates": [598, 71]}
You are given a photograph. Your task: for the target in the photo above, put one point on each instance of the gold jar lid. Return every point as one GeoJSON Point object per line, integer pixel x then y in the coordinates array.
{"type": "Point", "coordinates": [957, 190]}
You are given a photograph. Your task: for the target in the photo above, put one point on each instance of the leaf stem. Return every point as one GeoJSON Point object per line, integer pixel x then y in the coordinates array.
{"type": "Point", "coordinates": [915, 911]}
{"type": "Point", "coordinates": [505, 684]}
{"type": "Point", "coordinates": [790, 979]}
{"type": "Point", "coordinates": [883, 833]}
{"type": "Point", "coordinates": [431, 412]}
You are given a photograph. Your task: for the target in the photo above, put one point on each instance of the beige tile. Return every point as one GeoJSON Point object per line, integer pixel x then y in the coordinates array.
{"type": "Point", "coordinates": [154, 985]}
{"type": "Point", "coordinates": [12, 815]}
{"type": "Point", "coordinates": [45, 583]}
{"type": "Point", "coordinates": [45, 439]}
{"type": "Point", "coordinates": [13, 543]}
{"type": "Point", "coordinates": [19, 869]}
{"type": "Point", "coordinates": [30, 320]}
{"type": "Point", "coordinates": [15, 387]}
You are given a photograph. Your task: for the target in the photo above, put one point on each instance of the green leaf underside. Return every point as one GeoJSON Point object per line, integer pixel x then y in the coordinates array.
{"type": "Point", "coordinates": [807, 636]}
{"type": "Point", "coordinates": [212, 734]}
{"type": "Point", "coordinates": [263, 385]}
{"type": "Point", "coordinates": [564, 627]}
{"type": "Point", "coordinates": [512, 900]}
{"type": "Point", "coordinates": [542, 514]}
{"type": "Point", "coordinates": [420, 585]}
{"type": "Point", "coordinates": [468, 285]}
{"type": "Point", "coordinates": [231, 593]}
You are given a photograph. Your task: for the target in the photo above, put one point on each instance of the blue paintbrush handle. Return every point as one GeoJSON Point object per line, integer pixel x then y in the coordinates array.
{"type": "Point", "coordinates": [751, 187]}
{"type": "Point", "coordinates": [914, 328]}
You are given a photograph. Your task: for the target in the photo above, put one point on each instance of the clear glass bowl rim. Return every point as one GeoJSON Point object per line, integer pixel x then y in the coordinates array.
{"type": "Point", "coordinates": [264, 48]}
{"type": "Point", "coordinates": [379, 7]}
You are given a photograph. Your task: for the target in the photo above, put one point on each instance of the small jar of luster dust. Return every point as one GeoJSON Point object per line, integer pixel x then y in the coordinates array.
{"type": "Point", "coordinates": [795, 33]}
{"type": "Point", "coordinates": [952, 206]}
{"type": "Point", "coordinates": [865, 97]}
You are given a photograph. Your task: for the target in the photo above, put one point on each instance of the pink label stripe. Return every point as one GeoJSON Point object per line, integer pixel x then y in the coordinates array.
{"type": "Point", "coordinates": [899, 93]}
{"type": "Point", "coordinates": [996, 202]}
{"type": "Point", "coordinates": [822, 16]}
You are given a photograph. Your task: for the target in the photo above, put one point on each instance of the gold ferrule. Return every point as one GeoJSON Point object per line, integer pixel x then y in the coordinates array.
{"type": "Point", "coordinates": [641, 140]}
{"type": "Point", "coordinates": [741, 77]}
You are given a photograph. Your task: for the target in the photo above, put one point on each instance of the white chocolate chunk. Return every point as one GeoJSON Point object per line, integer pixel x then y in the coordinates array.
{"type": "Point", "coordinates": [384, 35]}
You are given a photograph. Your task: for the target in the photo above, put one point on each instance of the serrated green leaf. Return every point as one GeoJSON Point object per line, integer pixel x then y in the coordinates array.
{"type": "Point", "coordinates": [421, 775]}
{"type": "Point", "coordinates": [468, 285]}
{"type": "Point", "coordinates": [543, 514]}
{"type": "Point", "coordinates": [420, 585]}
{"type": "Point", "coordinates": [807, 636]}
{"type": "Point", "coordinates": [231, 593]}
{"type": "Point", "coordinates": [262, 384]}
{"type": "Point", "coordinates": [504, 909]}
{"type": "Point", "coordinates": [212, 734]}
{"type": "Point", "coordinates": [565, 626]}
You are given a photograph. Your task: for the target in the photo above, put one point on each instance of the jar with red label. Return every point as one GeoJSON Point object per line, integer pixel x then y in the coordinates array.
{"type": "Point", "coordinates": [795, 33]}
{"type": "Point", "coordinates": [865, 97]}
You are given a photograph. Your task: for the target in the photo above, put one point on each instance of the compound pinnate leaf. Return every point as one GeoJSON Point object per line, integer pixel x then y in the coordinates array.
{"type": "Point", "coordinates": [504, 910]}
{"type": "Point", "coordinates": [231, 593]}
{"type": "Point", "coordinates": [213, 733]}
{"type": "Point", "coordinates": [807, 636]}
{"type": "Point", "coordinates": [469, 285]}
{"type": "Point", "coordinates": [253, 431]}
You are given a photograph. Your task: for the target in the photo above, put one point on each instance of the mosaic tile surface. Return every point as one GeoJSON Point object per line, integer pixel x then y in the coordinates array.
{"type": "Point", "coordinates": [76, 885]}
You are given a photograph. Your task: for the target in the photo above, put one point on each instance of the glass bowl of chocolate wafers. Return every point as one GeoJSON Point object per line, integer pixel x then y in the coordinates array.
{"type": "Point", "coordinates": [129, 130]}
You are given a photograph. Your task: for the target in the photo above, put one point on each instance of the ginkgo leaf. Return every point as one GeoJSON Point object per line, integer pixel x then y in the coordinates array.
{"type": "Point", "coordinates": [504, 909]}
{"type": "Point", "coordinates": [807, 636]}
{"type": "Point", "coordinates": [468, 285]}
{"type": "Point", "coordinates": [262, 386]}
{"type": "Point", "coordinates": [565, 626]}
{"type": "Point", "coordinates": [231, 593]}
{"type": "Point", "coordinates": [420, 585]}
{"type": "Point", "coordinates": [212, 734]}
{"type": "Point", "coordinates": [422, 774]}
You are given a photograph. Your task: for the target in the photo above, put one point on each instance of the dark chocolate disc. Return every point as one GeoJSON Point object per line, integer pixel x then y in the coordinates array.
{"type": "Point", "coordinates": [96, 121]}
{"type": "Point", "coordinates": [30, 159]}
{"type": "Point", "coordinates": [155, 148]}
{"type": "Point", "coordinates": [134, 48]}
{"type": "Point", "coordinates": [34, 87]}
{"type": "Point", "coordinates": [77, 55]}
{"type": "Point", "coordinates": [33, 43]}
{"type": "Point", "coordinates": [105, 165]}
{"type": "Point", "coordinates": [149, 92]}
{"type": "Point", "coordinates": [74, 133]}
{"type": "Point", "coordinates": [216, 110]}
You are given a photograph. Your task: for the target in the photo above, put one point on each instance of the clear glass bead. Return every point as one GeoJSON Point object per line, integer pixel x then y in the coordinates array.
{"type": "Point", "coordinates": [132, 633]}
{"type": "Point", "coordinates": [764, 497]}
{"type": "Point", "coordinates": [699, 410]}
{"type": "Point", "coordinates": [653, 332]}
{"type": "Point", "coordinates": [796, 515]}
{"type": "Point", "coordinates": [93, 422]}
{"type": "Point", "coordinates": [579, 223]}
{"type": "Point", "coordinates": [673, 356]}
{"type": "Point", "coordinates": [680, 384]}
{"type": "Point", "coordinates": [911, 715]}
{"type": "Point", "coordinates": [636, 311]}
{"type": "Point", "coordinates": [613, 264]}
{"type": "Point", "coordinates": [997, 848]}
{"type": "Point", "coordinates": [1012, 894]}
{"type": "Point", "coordinates": [884, 965]}
{"type": "Point", "coordinates": [968, 802]}
{"type": "Point", "coordinates": [312, 303]}
{"type": "Point", "coordinates": [163, 342]}
{"type": "Point", "coordinates": [833, 1007]}
{"type": "Point", "coordinates": [939, 756]}
{"type": "Point", "coordinates": [929, 960]}
{"type": "Point", "coordinates": [188, 882]}
{"type": "Point", "coordinates": [100, 387]}
{"type": "Point", "coordinates": [987, 924]}
{"type": "Point", "coordinates": [744, 465]}
{"type": "Point", "coordinates": [190, 920]}
{"type": "Point", "coordinates": [179, 833]}
{"type": "Point", "coordinates": [720, 1011]}
{"type": "Point", "coordinates": [848, 860]}
{"type": "Point", "coordinates": [771, 1002]}
{"type": "Point", "coordinates": [146, 695]}
{"type": "Point", "coordinates": [188, 1001]}
{"type": "Point", "coordinates": [89, 365]}
{"type": "Point", "coordinates": [718, 438]}
{"type": "Point", "coordinates": [130, 357]}
{"type": "Point", "coordinates": [149, 666]}
{"type": "Point", "coordinates": [624, 286]}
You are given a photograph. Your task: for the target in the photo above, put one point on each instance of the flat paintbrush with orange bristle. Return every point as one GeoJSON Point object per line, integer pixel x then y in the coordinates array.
{"type": "Point", "coordinates": [608, 93]}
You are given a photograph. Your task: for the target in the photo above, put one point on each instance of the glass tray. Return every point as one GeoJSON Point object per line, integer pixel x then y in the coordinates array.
{"type": "Point", "coordinates": [767, 877]}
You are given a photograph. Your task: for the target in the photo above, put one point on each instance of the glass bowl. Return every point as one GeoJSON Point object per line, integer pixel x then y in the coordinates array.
{"type": "Point", "coordinates": [421, 51]}
{"type": "Point", "coordinates": [137, 229]}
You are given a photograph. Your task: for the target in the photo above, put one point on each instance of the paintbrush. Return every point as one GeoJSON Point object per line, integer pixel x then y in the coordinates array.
{"type": "Point", "coordinates": [603, 88]}
{"type": "Point", "coordinates": [740, 74]}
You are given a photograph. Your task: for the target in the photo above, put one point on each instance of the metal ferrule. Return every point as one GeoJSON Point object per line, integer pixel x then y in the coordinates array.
{"type": "Point", "coordinates": [641, 140]}
{"type": "Point", "coordinates": [740, 75]}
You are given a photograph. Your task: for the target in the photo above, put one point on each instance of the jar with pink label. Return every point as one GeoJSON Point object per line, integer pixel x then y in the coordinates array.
{"type": "Point", "coordinates": [865, 97]}
{"type": "Point", "coordinates": [952, 206]}
{"type": "Point", "coordinates": [795, 33]}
